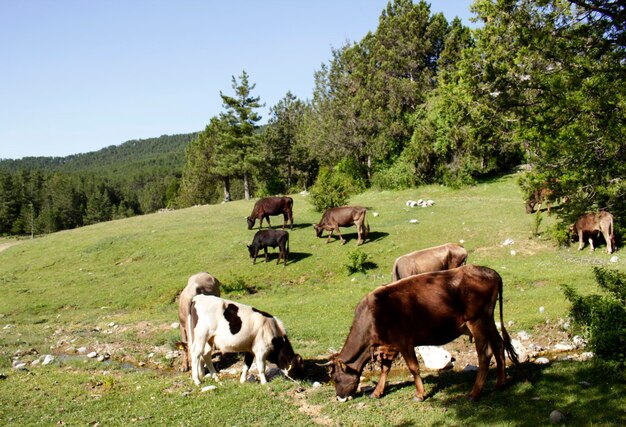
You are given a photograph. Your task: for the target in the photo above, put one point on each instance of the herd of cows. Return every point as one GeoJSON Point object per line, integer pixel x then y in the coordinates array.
{"type": "Point", "coordinates": [431, 288]}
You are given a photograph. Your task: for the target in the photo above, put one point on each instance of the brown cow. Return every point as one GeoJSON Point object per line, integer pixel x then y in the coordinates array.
{"type": "Point", "coordinates": [592, 224]}
{"type": "Point", "coordinates": [538, 198]}
{"type": "Point", "coordinates": [267, 206]}
{"type": "Point", "coordinates": [442, 257]}
{"type": "Point", "coordinates": [198, 284]}
{"type": "Point", "coordinates": [343, 216]}
{"type": "Point", "coordinates": [427, 309]}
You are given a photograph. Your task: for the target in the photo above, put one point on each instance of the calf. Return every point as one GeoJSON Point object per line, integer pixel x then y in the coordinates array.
{"type": "Point", "coordinates": [343, 216]}
{"type": "Point", "coordinates": [267, 206]}
{"type": "Point", "coordinates": [427, 309]}
{"type": "Point", "coordinates": [231, 327]}
{"type": "Point", "coordinates": [442, 257]}
{"type": "Point", "coordinates": [200, 283]}
{"type": "Point", "coordinates": [592, 224]}
{"type": "Point", "coordinates": [272, 238]}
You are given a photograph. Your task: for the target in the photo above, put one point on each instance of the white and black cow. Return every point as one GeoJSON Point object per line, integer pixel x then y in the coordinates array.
{"type": "Point", "coordinates": [230, 327]}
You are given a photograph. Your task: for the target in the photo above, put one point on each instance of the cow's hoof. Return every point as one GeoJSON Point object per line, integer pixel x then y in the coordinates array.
{"type": "Point", "coordinates": [418, 399]}
{"type": "Point", "coordinates": [373, 396]}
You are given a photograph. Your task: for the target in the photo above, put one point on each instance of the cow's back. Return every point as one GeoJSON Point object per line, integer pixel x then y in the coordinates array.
{"type": "Point", "coordinates": [433, 301]}
{"type": "Point", "coordinates": [437, 258]}
{"type": "Point", "coordinates": [198, 284]}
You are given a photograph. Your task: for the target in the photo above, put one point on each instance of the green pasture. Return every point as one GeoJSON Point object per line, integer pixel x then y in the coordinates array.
{"type": "Point", "coordinates": [112, 287]}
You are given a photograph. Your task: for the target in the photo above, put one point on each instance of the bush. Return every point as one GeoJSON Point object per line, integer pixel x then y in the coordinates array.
{"type": "Point", "coordinates": [238, 287]}
{"type": "Point", "coordinates": [559, 234]}
{"type": "Point", "coordinates": [357, 261]}
{"type": "Point", "coordinates": [399, 176]}
{"type": "Point", "coordinates": [603, 317]}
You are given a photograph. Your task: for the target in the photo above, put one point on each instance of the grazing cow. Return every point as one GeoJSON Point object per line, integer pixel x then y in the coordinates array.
{"type": "Point", "coordinates": [272, 238]}
{"type": "Point", "coordinates": [200, 283]}
{"type": "Point", "coordinates": [538, 198]}
{"type": "Point", "coordinates": [267, 206]}
{"type": "Point", "coordinates": [231, 327]}
{"type": "Point", "coordinates": [343, 216]}
{"type": "Point", "coordinates": [427, 309]}
{"type": "Point", "coordinates": [592, 224]}
{"type": "Point", "coordinates": [442, 257]}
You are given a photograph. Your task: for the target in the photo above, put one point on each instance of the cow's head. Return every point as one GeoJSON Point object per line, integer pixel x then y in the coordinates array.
{"type": "Point", "coordinates": [252, 250]}
{"type": "Point", "coordinates": [318, 230]}
{"type": "Point", "coordinates": [345, 378]}
{"type": "Point", "coordinates": [251, 222]}
{"type": "Point", "coordinates": [287, 360]}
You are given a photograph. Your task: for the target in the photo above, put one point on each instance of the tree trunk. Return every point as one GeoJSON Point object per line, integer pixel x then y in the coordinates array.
{"type": "Point", "coordinates": [246, 186]}
{"type": "Point", "coordinates": [226, 189]}
{"type": "Point", "coordinates": [288, 175]}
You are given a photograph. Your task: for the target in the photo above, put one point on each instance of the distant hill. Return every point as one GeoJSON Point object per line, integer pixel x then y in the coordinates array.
{"type": "Point", "coordinates": [164, 154]}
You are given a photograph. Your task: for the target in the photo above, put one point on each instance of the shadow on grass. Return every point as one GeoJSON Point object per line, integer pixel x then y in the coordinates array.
{"type": "Point", "coordinates": [373, 236]}
{"type": "Point", "coordinates": [293, 257]}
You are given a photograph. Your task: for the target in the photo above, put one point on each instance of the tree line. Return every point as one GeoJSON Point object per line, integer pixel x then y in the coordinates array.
{"type": "Point", "coordinates": [422, 100]}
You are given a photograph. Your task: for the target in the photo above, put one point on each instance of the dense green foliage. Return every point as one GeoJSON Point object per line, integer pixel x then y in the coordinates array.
{"type": "Point", "coordinates": [43, 195]}
{"type": "Point", "coordinates": [603, 317]}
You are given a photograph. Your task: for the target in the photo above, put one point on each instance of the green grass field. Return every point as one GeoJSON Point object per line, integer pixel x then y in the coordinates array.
{"type": "Point", "coordinates": [112, 288]}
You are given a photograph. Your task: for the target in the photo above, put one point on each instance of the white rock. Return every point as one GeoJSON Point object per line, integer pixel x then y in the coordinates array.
{"type": "Point", "coordinates": [542, 309]}
{"type": "Point", "coordinates": [523, 335]}
{"type": "Point", "coordinates": [542, 361]}
{"type": "Point", "coordinates": [20, 366]}
{"type": "Point", "coordinates": [461, 241]}
{"type": "Point", "coordinates": [92, 355]}
{"type": "Point", "coordinates": [172, 355]}
{"type": "Point", "coordinates": [81, 350]}
{"type": "Point", "coordinates": [48, 359]}
{"type": "Point", "coordinates": [112, 324]}
{"type": "Point", "coordinates": [9, 326]}
{"type": "Point", "coordinates": [522, 354]}
{"type": "Point", "coordinates": [513, 252]}
{"type": "Point", "coordinates": [375, 214]}
{"type": "Point", "coordinates": [435, 357]}
{"type": "Point", "coordinates": [414, 221]}
{"type": "Point", "coordinates": [579, 341]}
{"type": "Point", "coordinates": [316, 384]}
{"type": "Point", "coordinates": [208, 388]}
{"type": "Point", "coordinates": [586, 355]}
{"type": "Point", "coordinates": [175, 325]}
{"type": "Point", "coordinates": [564, 347]}
{"type": "Point", "coordinates": [508, 242]}
{"type": "Point", "coordinates": [614, 259]}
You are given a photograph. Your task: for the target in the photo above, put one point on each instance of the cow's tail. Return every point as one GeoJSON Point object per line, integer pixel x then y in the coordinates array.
{"type": "Point", "coordinates": [395, 274]}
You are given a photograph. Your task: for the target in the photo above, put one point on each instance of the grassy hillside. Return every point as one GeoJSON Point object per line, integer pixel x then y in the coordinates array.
{"type": "Point", "coordinates": [112, 288]}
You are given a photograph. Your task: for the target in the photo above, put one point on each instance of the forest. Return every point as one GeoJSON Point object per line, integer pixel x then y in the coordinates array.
{"type": "Point", "coordinates": [538, 83]}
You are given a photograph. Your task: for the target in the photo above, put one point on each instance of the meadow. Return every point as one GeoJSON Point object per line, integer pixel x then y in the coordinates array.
{"type": "Point", "coordinates": [111, 288]}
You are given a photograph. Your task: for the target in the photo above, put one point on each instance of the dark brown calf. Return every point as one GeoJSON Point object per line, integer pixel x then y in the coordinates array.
{"type": "Point", "coordinates": [343, 216]}
{"type": "Point", "coordinates": [267, 206]}
{"type": "Point", "coordinates": [270, 238]}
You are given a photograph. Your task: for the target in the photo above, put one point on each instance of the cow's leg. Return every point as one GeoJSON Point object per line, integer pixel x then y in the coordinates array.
{"type": "Point", "coordinates": [256, 253]}
{"type": "Point", "coordinates": [607, 239]}
{"type": "Point", "coordinates": [411, 362]}
{"type": "Point", "coordinates": [266, 255]}
{"type": "Point", "coordinates": [197, 351]}
{"type": "Point", "coordinates": [385, 365]}
{"type": "Point", "coordinates": [260, 365]}
{"type": "Point", "coordinates": [592, 249]}
{"type": "Point", "coordinates": [269, 224]}
{"type": "Point", "coordinates": [484, 353]}
{"type": "Point", "coordinates": [330, 234]}
{"type": "Point", "coordinates": [580, 241]}
{"type": "Point", "coordinates": [343, 242]}
{"type": "Point", "coordinates": [247, 363]}
{"type": "Point", "coordinates": [208, 361]}
{"type": "Point", "coordinates": [497, 346]}
{"type": "Point", "coordinates": [359, 231]}
{"type": "Point", "coordinates": [285, 221]}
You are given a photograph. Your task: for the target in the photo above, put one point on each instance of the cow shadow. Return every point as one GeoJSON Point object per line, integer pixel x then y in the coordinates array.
{"type": "Point", "coordinates": [372, 236]}
{"type": "Point", "coordinates": [273, 257]}
{"type": "Point", "coordinates": [375, 236]}
{"type": "Point", "coordinates": [314, 372]}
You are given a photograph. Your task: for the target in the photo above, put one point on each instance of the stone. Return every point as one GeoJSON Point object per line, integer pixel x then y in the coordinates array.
{"type": "Point", "coordinates": [48, 359]}
{"type": "Point", "coordinates": [556, 417]}
{"type": "Point", "coordinates": [435, 357]}
{"type": "Point", "coordinates": [92, 355]}
{"type": "Point", "coordinates": [175, 325]}
{"type": "Point", "coordinates": [542, 361]}
{"type": "Point", "coordinates": [522, 354]}
{"type": "Point", "coordinates": [208, 388]}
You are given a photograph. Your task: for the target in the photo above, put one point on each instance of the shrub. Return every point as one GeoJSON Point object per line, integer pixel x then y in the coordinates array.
{"type": "Point", "coordinates": [238, 287]}
{"type": "Point", "coordinates": [398, 176]}
{"type": "Point", "coordinates": [536, 223]}
{"type": "Point", "coordinates": [328, 191]}
{"type": "Point", "coordinates": [559, 234]}
{"type": "Point", "coordinates": [357, 261]}
{"type": "Point", "coordinates": [603, 317]}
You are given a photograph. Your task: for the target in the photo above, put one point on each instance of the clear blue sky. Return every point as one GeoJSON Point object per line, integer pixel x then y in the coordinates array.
{"type": "Point", "coordinates": [77, 75]}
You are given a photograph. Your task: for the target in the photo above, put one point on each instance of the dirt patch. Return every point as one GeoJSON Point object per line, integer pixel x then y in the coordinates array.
{"type": "Point", "coordinates": [7, 245]}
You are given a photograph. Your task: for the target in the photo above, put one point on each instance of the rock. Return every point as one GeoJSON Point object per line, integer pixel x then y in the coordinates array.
{"type": "Point", "coordinates": [375, 214]}
{"type": "Point", "coordinates": [542, 309]}
{"type": "Point", "coordinates": [172, 354]}
{"type": "Point", "coordinates": [175, 325]}
{"type": "Point", "coordinates": [586, 355]}
{"type": "Point", "coordinates": [316, 384]}
{"type": "Point", "coordinates": [522, 354]}
{"type": "Point", "coordinates": [513, 252]}
{"type": "Point", "coordinates": [435, 357]}
{"type": "Point", "coordinates": [614, 259]}
{"type": "Point", "coordinates": [48, 359]}
{"type": "Point", "coordinates": [564, 347]}
{"type": "Point", "coordinates": [523, 335]}
{"type": "Point", "coordinates": [81, 350]}
{"type": "Point", "coordinates": [579, 341]}
{"type": "Point", "coordinates": [542, 361]}
{"type": "Point", "coordinates": [19, 366]}
{"type": "Point", "coordinates": [508, 242]}
{"type": "Point", "coordinates": [103, 357]}
{"type": "Point", "coordinates": [414, 221]}
{"type": "Point", "coordinates": [92, 355]}
{"type": "Point", "coordinates": [208, 388]}
{"type": "Point", "coordinates": [556, 417]}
